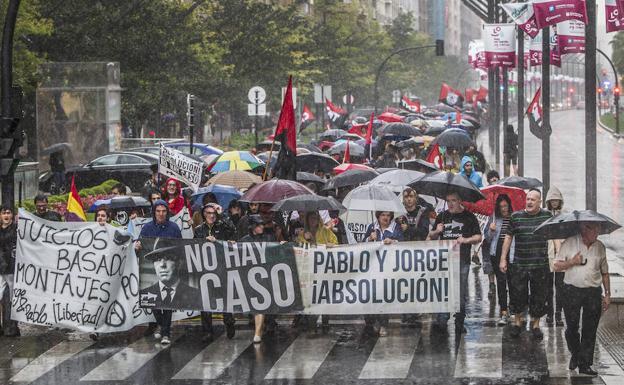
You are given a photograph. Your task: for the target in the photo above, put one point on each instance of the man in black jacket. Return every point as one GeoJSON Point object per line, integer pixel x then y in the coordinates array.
{"type": "Point", "coordinates": [8, 240]}
{"type": "Point", "coordinates": [215, 229]}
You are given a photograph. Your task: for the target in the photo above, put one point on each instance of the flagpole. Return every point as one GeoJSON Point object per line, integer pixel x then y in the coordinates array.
{"type": "Point", "coordinates": [268, 164]}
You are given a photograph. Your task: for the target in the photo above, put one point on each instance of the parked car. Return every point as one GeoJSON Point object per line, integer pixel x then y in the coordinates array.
{"type": "Point", "coordinates": [130, 168]}
{"type": "Point", "coordinates": [199, 149]}
{"type": "Point", "coordinates": [154, 150]}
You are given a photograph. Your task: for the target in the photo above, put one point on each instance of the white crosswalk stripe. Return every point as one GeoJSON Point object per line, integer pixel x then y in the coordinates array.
{"type": "Point", "coordinates": [391, 357]}
{"type": "Point", "coordinates": [481, 357]}
{"type": "Point", "coordinates": [302, 358]}
{"type": "Point", "coordinates": [128, 361]}
{"type": "Point", "coordinates": [211, 362]}
{"type": "Point", "coordinates": [50, 359]}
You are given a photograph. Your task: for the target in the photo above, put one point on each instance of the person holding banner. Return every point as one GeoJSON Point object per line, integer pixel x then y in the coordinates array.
{"type": "Point", "coordinates": [460, 225]}
{"type": "Point", "coordinates": [215, 228]}
{"type": "Point", "coordinates": [8, 240]}
{"type": "Point", "coordinates": [160, 227]}
{"type": "Point", "coordinates": [385, 230]}
{"type": "Point", "coordinates": [102, 216]}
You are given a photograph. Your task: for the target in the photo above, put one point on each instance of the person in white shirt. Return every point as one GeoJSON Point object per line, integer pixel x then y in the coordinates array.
{"type": "Point", "coordinates": [584, 260]}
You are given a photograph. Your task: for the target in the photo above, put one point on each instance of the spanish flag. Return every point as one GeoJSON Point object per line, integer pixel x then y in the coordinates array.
{"type": "Point", "coordinates": [75, 212]}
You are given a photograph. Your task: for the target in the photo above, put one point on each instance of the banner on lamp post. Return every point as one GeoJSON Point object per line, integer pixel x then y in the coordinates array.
{"type": "Point", "coordinates": [614, 22]}
{"type": "Point", "coordinates": [535, 51]}
{"type": "Point", "coordinates": [523, 16]}
{"type": "Point", "coordinates": [500, 45]}
{"type": "Point", "coordinates": [571, 37]}
{"type": "Point", "coordinates": [555, 48]}
{"type": "Point", "coordinates": [551, 12]}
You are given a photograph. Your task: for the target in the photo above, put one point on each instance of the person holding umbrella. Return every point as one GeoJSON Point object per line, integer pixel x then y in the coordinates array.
{"type": "Point", "coordinates": [460, 225]}
{"type": "Point", "coordinates": [583, 259]}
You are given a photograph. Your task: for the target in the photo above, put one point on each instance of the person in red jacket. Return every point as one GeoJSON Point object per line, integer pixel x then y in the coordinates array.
{"type": "Point", "coordinates": [172, 194]}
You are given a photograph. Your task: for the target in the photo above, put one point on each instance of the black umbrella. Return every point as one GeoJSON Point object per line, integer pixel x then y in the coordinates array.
{"type": "Point", "coordinates": [522, 182]}
{"type": "Point", "coordinates": [435, 130]}
{"type": "Point", "coordinates": [127, 202]}
{"type": "Point", "coordinates": [444, 108]}
{"type": "Point", "coordinates": [308, 202]}
{"type": "Point", "coordinates": [309, 146]}
{"type": "Point", "coordinates": [400, 129]}
{"type": "Point", "coordinates": [332, 135]}
{"type": "Point", "coordinates": [354, 149]}
{"type": "Point", "coordinates": [418, 165]}
{"type": "Point", "coordinates": [441, 183]}
{"type": "Point", "coordinates": [316, 162]}
{"type": "Point", "coordinates": [568, 224]}
{"type": "Point", "coordinates": [350, 178]}
{"type": "Point", "coordinates": [453, 137]}
{"type": "Point", "coordinates": [303, 176]}
{"type": "Point", "coordinates": [58, 147]}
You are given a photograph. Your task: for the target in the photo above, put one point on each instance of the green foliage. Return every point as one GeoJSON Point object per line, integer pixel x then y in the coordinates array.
{"type": "Point", "coordinates": [618, 51]}
{"type": "Point", "coordinates": [608, 120]}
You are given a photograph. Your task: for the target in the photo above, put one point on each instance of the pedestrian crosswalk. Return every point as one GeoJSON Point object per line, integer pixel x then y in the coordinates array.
{"type": "Point", "coordinates": [485, 353]}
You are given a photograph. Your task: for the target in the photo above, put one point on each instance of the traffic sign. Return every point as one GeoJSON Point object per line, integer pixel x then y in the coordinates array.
{"type": "Point", "coordinates": [256, 94]}
{"type": "Point", "coordinates": [256, 109]}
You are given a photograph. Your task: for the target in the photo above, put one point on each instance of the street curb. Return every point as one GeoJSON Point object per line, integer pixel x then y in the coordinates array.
{"type": "Point", "coordinates": [609, 129]}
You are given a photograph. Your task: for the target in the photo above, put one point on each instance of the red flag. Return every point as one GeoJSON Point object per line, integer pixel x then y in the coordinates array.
{"type": "Point", "coordinates": [458, 117]}
{"type": "Point", "coordinates": [358, 129]}
{"type": "Point", "coordinates": [410, 105]}
{"type": "Point", "coordinates": [470, 95]}
{"type": "Point", "coordinates": [369, 136]}
{"type": "Point", "coordinates": [450, 96]}
{"type": "Point", "coordinates": [389, 117]}
{"type": "Point", "coordinates": [286, 133]}
{"type": "Point", "coordinates": [534, 111]}
{"type": "Point", "coordinates": [337, 115]}
{"type": "Point", "coordinates": [306, 118]}
{"type": "Point", "coordinates": [347, 154]}
{"type": "Point", "coordinates": [435, 157]}
{"type": "Point", "coordinates": [482, 94]}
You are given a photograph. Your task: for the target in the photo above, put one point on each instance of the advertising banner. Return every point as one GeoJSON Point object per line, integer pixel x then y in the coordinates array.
{"type": "Point", "coordinates": [571, 37]}
{"type": "Point", "coordinates": [500, 45]}
{"type": "Point", "coordinates": [551, 12]}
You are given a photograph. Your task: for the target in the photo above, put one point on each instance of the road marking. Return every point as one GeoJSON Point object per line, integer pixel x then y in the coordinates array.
{"type": "Point", "coordinates": [50, 359]}
{"type": "Point", "coordinates": [391, 357]}
{"type": "Point", "coordinates": [211, 362]}
{"type": "Point", "coordinates": [481, 358]}
{"type": "Point", "coordinates": [557, 354]}
{"type": "Point", "coordinates": [302, 358]}
{"type": "Point", "coordinates": [127, 361]}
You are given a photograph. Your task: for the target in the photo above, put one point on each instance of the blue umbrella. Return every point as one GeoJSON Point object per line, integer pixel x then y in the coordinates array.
{"type": "Point", "coordinates": [224, 194]}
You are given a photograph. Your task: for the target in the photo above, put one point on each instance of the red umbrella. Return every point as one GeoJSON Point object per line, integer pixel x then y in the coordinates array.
{"type": "Point", "coordinates": [274, 190]}
{"type": "Point", "coordinates": [351, 166]}
{"type": "Point", "coordinates": [389, 117]}
{"type": "Point", "coordinates": [491, 193]}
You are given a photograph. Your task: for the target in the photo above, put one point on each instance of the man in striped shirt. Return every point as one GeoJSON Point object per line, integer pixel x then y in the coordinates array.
{"type": "Point", "coordinates": [529, 269]}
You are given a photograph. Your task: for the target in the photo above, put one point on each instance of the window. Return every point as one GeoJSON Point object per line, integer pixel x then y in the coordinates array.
{"type": "Point", "coordinates": [131, 159]}
{"type": "Point", "coordinates": [106, 160]}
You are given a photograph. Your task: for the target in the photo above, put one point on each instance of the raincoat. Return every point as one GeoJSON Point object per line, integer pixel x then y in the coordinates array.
{"type": "Point", "coordinates": [474, 177]}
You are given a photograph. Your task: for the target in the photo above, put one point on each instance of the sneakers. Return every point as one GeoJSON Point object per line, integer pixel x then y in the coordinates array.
{"type": "Point", "coordinates": [165, 340]}
{"type": "Point", "coordinates": [503, 320]}
{"type": "Point", "coordinates": [383, 331]}
{"type": "Point", "coordinates": [257, 339]}
{"type": "Point", "coordinates": [537, 334]}
{"type": "Point", "coordinates": [157, 333]}
{"type": "Point", "coordinates": [588, 370]}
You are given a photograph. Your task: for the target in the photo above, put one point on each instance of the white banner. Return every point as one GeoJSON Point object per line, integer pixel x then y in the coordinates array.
{"type": "Point", "coordinates": [356, 223]}
{"type": "Point", "coordinates": [77, 275]}
{"type": "Point", "coordinates": [182, 219]}
{"type": "Point", "coordinates": [176, 164]}
{"type": "Point", "coordinates": [373, 278]}
{"type": "Point", "coordinates": [500, 44]}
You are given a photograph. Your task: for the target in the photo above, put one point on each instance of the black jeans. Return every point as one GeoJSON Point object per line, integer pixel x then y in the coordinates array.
{"type": "Point", "coordinates": [501, 282]}
{"type": "Point", "coordinates": [590, 300]}
{"type": "Point", "coordinates": [521, 280]}
{"type": "Point", "coordinates": [163, 319]}
{"type": "Point", "coordinates": [554, 299]}
{"type": "Point", "coordinates": [206, 320]}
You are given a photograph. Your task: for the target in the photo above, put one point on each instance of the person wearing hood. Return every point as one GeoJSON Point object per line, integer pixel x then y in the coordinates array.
{"type": "Point", "coordinates": [160, 227]}
{"type": "Point", "coordinates": [477, 157]}
{"type": "Point", "coordinates": [215, 229]}
{"type": "Point", "coordinates": [172, 194]}
{"type": "Point", "coordinates": [554, 300]}
{"type": "Point", "coordinates": [469, 172]}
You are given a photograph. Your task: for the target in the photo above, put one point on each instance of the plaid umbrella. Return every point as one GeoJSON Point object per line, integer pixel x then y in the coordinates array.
{"type": "Point", "coordinates": [235, 160]}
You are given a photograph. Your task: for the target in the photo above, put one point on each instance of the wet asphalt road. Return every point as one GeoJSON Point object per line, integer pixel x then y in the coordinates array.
{"type": "Point", "coordinates": [342, 354]}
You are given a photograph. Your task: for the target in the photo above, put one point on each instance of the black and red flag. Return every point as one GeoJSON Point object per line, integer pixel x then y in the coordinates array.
{"type": "Point", "coordinates": [307, 117]}
{"type": "Point", "coordinates": [534, 113]}
{"type": "Point", "coordinates": [482, 95]}
{"type": "Point", "coordinates": [285, 132]}
{"type": "Point", "coordinates": [337, 115]}
{"type": "Point", "coordinates": [451, 96]}
{"type": "Point", "coordinates": [410, 105]}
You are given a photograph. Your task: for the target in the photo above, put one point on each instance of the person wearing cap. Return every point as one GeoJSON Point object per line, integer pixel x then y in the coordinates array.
{"type": "Point", "coordinates": [159, 227]}
{"type": "Point", "coordinates": [213, 229]}
{"type": "Point", "coordinates": [170, 292]}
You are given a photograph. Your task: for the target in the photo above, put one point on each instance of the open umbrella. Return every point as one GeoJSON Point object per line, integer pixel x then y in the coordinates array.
{"type": "Point", "coordinates": [491, 193]}
{"type": "Point", "coordinates": [568, 224]}
{"type": "Point", "coordinates": [443, 108]}
{"type": "Point", "coordinates": [400, 129]}
{"type": "Point", "coordinates": [397, 179]}
{"type": "Point", "coordinates": [390, 117]}
{"type": "Point", "coordinates": [58, 147]}
{"type": "Point", "coordinates": [274, 190]}
{"type": "Point", "coordinates": [372, 197]}
{"type": "Point", "coordinates": [305, 177]}
{"type": "Point", "coordinates": [351, 137]}
{"type": "Point", "coordinates": [121, 202]}
{"type": "Point", "coordinates": [350, 178]}
{"type": "Point", "coordinates": [239, 179]}
{"type": "Point", "coordinates": [520, 182]}
{"type": "Point", "coordinates": [308, 202]}
{"type": "Point", "coordinates": [332, 135]}
{"type": "Point", "coordinates": [225, 194]}
{"type": "Point", "coordinates": [308, 146]}
{"type": "Point", "coordinates": [350, 166]}
{"type": "Point", "coordinates": [264, 156]}
{"type": "Point", "coordinates": [354, 149]}
{"type": "Point", "coordinates": [235, 160]}
{"type": "Point", "coordinates": [418, 165]}
{"type": "Point", "coordinates": [453, 137]}
{"type": "Point", "coordinates": [316, 162]}
{"type": "Point", "coordinates": [266, 146]}
{"type": "Point", "coordinates": [441, 183]}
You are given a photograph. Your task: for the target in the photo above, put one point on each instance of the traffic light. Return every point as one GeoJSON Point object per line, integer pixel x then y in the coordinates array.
{"type": "Point", "coordinates": [571, 90]}
{"type": "Point", "coordinates": [616, 90]}
{"type": "Point", "coordinates": [439, 47]}
{"type": "Point", "coordinates": [10, 141]}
